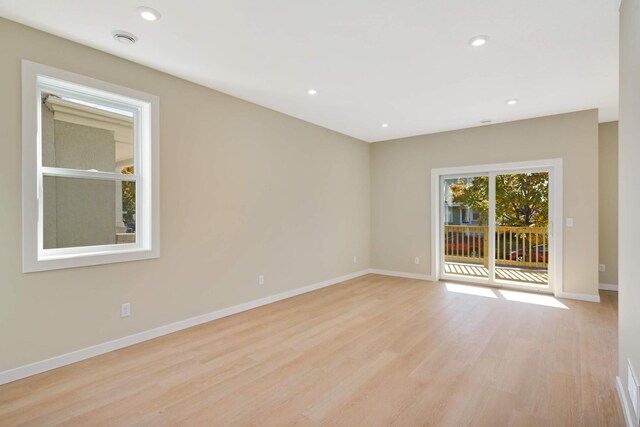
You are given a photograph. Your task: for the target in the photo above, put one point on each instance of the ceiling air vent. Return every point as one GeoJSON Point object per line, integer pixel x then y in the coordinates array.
{"type": "Point", "coordinates": [124, 37]}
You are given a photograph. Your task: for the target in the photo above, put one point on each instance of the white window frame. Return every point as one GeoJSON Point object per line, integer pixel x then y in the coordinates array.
{"type": "Point", "coordinates": [145, 108]}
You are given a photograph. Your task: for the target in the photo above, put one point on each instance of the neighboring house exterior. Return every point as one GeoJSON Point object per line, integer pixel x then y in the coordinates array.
{"type": "Point", "coordinates": [78, 136]}
{"type": "Point", "coordinates": [455, 213]}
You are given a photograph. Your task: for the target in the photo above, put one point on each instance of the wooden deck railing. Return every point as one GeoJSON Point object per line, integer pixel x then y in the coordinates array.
{"type": "Point", "coordinates": [515, 246]}
{"type": "Point", "coordinates": [465, 243]}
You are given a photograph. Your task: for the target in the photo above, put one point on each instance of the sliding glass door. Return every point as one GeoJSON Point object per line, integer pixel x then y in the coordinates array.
{"type": "Point", "coordinates": [495, 228]}
{"type": "Point", "coordinates": [466, 226]}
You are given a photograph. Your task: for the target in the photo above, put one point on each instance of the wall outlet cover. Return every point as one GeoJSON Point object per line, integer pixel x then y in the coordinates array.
{"type": "Point", "coordinates": [125, 310]}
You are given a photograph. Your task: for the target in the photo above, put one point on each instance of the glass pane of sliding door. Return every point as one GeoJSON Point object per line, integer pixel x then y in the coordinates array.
{"type": "Point", "coordinates": [522, 229]}
{"type": "Point", "coordinates": [465, 208]}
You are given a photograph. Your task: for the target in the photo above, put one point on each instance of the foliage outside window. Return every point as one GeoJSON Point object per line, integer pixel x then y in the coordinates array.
{"type": "Point", "coordinates": [522, 200]}
{"type": "Point", "coordinates": [129, 202]}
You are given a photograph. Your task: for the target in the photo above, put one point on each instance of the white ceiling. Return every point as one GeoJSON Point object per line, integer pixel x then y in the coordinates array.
{"type": "Point", "coordinates": [403, 62]}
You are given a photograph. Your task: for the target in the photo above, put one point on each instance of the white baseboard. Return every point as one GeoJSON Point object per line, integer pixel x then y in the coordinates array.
{"type": "Point", "coordinates": [402, 274]}
{"type": "Point", "coordinates": [626, 406]}
{"type": "Point", "coordinates": [579, 297]}
{"type": "Point", "coordinates": [608, 287]}
{"type": "Point", "coordinates": [96, 350]}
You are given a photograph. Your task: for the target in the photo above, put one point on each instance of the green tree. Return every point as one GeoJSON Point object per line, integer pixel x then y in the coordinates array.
{"type": "Point", "coordinates": [473, 194]}
{"type": "Point", "coordinates": [522, 200]}
{"type": "Point", "coordinates": [129, 199]}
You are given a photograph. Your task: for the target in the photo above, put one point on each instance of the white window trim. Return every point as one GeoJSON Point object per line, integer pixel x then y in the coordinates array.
{"type": "Point", "coordinates": [147, 166]}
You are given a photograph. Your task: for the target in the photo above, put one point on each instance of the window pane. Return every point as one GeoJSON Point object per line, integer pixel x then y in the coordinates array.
{"type": "Point", "coordinates": [85, 136]}
{"type": "Point", "coordinates": [522, 233]}
{"type": "Point", "coordinates": [466, 205]}
{"type": "Point", "coordinates": [88, 212]}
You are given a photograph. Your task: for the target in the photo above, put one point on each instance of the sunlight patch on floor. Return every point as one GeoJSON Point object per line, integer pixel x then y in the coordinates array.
{"type": "Point", "coordinates": [513, 296]}
{"type": "Point", "coordinates": [470, 290]}
{"type": "Point", "coordinates": [529, 298]}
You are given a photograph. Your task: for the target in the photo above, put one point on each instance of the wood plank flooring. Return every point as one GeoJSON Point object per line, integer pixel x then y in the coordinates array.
{"type": "Point", "coordinates": [372, 351]}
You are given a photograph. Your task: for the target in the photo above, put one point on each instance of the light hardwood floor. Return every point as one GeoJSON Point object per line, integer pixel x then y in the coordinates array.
{"type": "Point", "coordinates": [372, 351]}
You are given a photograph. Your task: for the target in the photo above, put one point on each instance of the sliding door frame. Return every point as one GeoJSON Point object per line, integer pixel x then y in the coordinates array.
{"type": "Point", "coordinates": [553, 166]}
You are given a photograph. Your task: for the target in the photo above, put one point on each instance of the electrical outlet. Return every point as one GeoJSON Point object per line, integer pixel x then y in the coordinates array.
{"type": "Point", "coordinates": [261, 280]}
{"type": "Point", "coordinates": [416, 260]}
{"type": "Point", "coordinates": [569, 222]}
{"type": "Point", "coordinates": [602, 268]}
{"type": "Point", "coordinates": [355, 259]}
{"type": "Point", "coordinates": [125, 310]}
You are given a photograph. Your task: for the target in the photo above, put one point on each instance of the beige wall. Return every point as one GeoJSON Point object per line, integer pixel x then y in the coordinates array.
{"type": "Point", "coordinates": [629, 183]}
{"type": "Point", "coordinates": [244, 191]}
{"type": "Point", "coordinates": [401, 200]}
{"type": "Point", "coordinates": [608, 200]}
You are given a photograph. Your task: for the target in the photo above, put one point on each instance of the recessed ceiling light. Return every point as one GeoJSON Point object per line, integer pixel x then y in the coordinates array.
{"type": "Point", "coordinates": [384, 125]}
{"type": "Point", "coordinates": [148, 14]}
{"type": "Point", "coordinates": [485, 122]}
{"type": "Point", "coordinates": [512, 102]}
{"type": "Point", "coordinates": [312, 91]}
{"type": "Point", "coordinates": [478, 41]}
{"type": "Point", "coordinates": [124, 37]}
